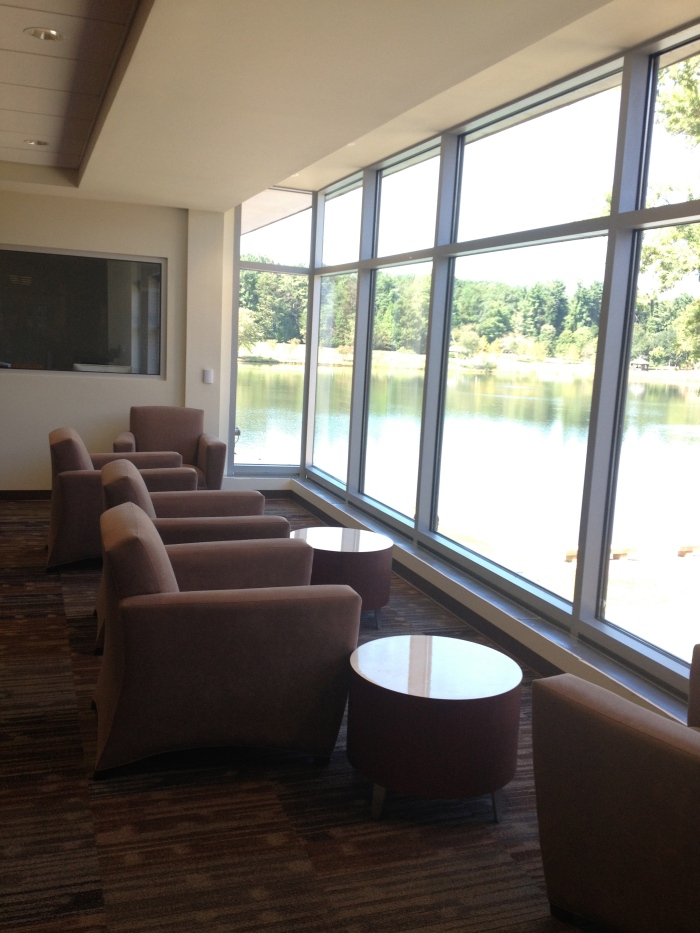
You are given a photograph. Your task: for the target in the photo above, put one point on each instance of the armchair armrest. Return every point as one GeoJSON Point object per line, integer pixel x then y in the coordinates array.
{"type": "Point", "coordinates": [211, 459]}
{"type": "Point", "coordinates": [221, 528]}
{"type": "Point", "coordinates": [76, 500]}
{"type": "Point", "coordinates": [176, 480]}
{"type": "Point", "coordinates": [221, 565]}
{"type": "Point", "coordinates": [207, 502]}
{"type": "Point", "coordinates": [146, 460]}
{"type": "Point", "coordinates": [124, 443]}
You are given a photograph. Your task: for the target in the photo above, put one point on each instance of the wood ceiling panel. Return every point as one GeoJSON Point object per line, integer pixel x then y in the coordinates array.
{"type": "Point", "coordinates": [40, 71]}
{"type": "Point", "coordinates": [110, 11]}
{"type": "Point", "coordinates": [16, 98]}
{"type": "Point", "coordinates": [84, 39]}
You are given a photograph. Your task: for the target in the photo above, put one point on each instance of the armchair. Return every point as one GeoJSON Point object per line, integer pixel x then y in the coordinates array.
{"type": "Point", "coordinates": [76, 492]}
{"type": "Point", "coordinates": [165, 427]}
{"type": "Point", "coordinates": [618, 807]}
{"type": "Point", "coordinates": [183, 518]}
{"type": "Point", "coordinates": [192, 662]}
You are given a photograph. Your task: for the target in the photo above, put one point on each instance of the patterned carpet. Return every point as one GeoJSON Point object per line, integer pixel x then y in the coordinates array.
{"type": "Point", "coordinates": [230, 839]}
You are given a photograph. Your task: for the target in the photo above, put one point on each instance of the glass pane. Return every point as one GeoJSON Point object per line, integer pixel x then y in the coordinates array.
{"type": "Point", "coordinates": [674, 167]}
{"type": "Point", "coordinates": [407, 208]}
{"type": "Point", "coordinates": [523, 341]}
{"type": "Point", "coordinates": [341, 228]}
{"type": "Point", "coordinates": [399, 330]}
{"type": "Point", "coordinates": [79, 313]}
{"type": "Point", "coordinates": [271, 357]}
{"type": "Point", "coordinates": [336, 339]}
{"type": "Point", "coordinates": [553, 169]}
{"type": "Point", "coordinates": [652, 578]}
{"type": "Point", "coordinates": [285, 242]}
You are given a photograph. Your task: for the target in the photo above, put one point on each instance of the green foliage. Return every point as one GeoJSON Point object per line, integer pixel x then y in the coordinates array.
{"type": "Point", "coordinates": [678, 100]}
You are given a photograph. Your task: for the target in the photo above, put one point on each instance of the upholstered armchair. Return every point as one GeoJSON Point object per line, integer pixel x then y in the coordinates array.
{"type": "Point", "coordinates": [164, 427]}
{"type": "Point", "coordinates": [218, 643]}
{"type": "Point", "coordinates": [76, 492]}
{"type": "Point", "coordinates": [183, 518]}
{"type": "Point", "coordinates": [618, 805]}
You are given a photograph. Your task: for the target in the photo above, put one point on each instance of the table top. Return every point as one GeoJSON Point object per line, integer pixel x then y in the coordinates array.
{"type": "Point", "coordinates": [343, 539]}
{"type": "Point", "coordinates": [436, 667]}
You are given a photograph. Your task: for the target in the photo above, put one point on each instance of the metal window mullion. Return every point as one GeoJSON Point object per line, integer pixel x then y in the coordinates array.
{"type": "Point", "coordinates": [308, 409]}
{"type": "Point", "coordinates": [361, 355]}
{"type": "Point", "coordinates": [235, 305]}
{"type": "Point", "coordinates": [610, 376]}
{"type": "Point", "coordinates": [438, 327]}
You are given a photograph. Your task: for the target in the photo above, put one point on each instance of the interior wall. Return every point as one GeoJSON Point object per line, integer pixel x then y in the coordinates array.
{"type": "Point", "coordinates": [209, 303]}
{"type": "Point", "coordinates": [32, 403]}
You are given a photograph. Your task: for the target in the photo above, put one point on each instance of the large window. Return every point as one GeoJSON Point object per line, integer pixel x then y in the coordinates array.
{"type": "Point", "coordinates": [517, 404]}
{"type": "Point", "coordinates": [399, 330]}
{"type": "Point", "coordinates": [506, 341]}
{"type": "Point", "coordinates": [652, 580]}
{"type": "Point", "coordinates": [336, 340]}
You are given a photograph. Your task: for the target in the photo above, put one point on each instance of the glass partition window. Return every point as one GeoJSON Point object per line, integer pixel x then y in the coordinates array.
{"type": "Point", "coordinates": [341, 227]}
{"type": "Point", "coordinates": [652, 578]}
{"type": "Point", "coordinates": [336, 339]}
{"type": "Point", "coordinates": [285, 242]}
{"type": "Point", "coordinates": [522, 353]}
{"type": "Point", "coordinates": [551, 169]}
{"type": "Point", "coordinates": [271, 363]}
{"type": "Point", "coordinates": [79, 313]}
{"type": "Point", "coordinates": [674, 166]}
{"type": "Point", "coordinates": [407, 208]}
{"type": "Point", "coordinates": [397, 366]}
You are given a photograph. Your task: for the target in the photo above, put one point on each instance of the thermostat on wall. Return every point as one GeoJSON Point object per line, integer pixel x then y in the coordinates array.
{"type": "Point", "coordinates": [208, 376]}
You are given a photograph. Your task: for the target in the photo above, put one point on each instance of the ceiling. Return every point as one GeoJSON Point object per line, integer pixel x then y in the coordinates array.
{"type": "Point", "coordinates": [205, 103]}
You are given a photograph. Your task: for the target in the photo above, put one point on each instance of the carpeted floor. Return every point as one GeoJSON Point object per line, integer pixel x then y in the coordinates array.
{"type": "Point", "coordinates": [230, 839]}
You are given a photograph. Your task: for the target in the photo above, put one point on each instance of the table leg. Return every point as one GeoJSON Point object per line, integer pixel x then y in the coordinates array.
{"type": "Point", "coordinates": [378, 797]}
{"type": "Point", "coordinates": [497, 801]}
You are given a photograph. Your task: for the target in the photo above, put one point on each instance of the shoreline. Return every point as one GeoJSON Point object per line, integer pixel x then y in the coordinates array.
{"type": "Point", "coordinates": [552, 368]}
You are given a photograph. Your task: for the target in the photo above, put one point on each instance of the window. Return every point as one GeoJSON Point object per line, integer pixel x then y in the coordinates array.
{"type": "Point", "coordinates": [399, 329]}
{"type": "Point", "coordinates": [674, 168]}
{"type": "Point", "coordinates": [80, 313]}
{"type": "Point", "coordinates": [341, 227]}
{"type": "Point", "coordinates": [551, 169]}
{"type": "Point", "coordinates": [653, 571]}
{"type": "Point", "coordinates": [522, 354]}
{"type": "Point", "coordinates": [518, 394]}
{"type": "Point", "coordinates": [336, 339]}
{"type": "Point", "coordinates": [407, 208]}
{"type": "Point", "coordinates": [271, 362]}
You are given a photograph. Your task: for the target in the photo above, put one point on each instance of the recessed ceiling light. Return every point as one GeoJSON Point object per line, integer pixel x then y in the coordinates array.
{"type": "Point", "coordinates": [41, 32]}
{"type": "Point", "coordinates": [36, 142]}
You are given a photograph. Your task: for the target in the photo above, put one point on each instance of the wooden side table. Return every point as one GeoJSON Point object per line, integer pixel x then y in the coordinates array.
{"type": "Point", "coordinates": [361, 559]}
{"type": "Point", "coordinates": [433, 716]}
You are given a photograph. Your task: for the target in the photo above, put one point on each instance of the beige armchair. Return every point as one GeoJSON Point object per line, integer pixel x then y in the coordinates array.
{"type": "Point", "coordinates": [76, 492]}
{"type": "Point", "coordinates": [164, 427]}
{"type": "Point", "coordinates": [183, 518]}
{"type": "Point", "coordinates": [618, 805]}
{"type": "Point", "coordinates": [192, 661]}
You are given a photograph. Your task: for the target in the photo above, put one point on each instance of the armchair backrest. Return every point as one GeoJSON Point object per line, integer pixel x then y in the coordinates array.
{"type": "Point", "coordinates": [137, 558]}
{"type": "Point", "coordinates": [68, 452]}
{"type": "Point", "coordinates": [694, 690]}
{"type": "Point", "coordinates": [166, 427]}
{"type": "Point", "coordinates": [122, 482]}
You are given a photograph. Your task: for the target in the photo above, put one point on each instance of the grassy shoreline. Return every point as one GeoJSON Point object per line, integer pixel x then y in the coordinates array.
{"type": "Point", "coordinates": [552, 368]}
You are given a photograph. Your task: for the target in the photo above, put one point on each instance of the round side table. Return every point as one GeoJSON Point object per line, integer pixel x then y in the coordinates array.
{"type": "Point", "coordinates": [433, 716]}
{"type": "Point", "coordinates": [361, 559]}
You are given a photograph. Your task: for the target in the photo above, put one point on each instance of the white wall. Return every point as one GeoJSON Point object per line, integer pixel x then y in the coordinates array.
{"type": "Point", "coordinates": [32, 403]}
